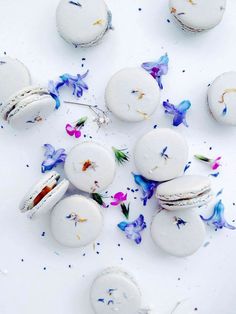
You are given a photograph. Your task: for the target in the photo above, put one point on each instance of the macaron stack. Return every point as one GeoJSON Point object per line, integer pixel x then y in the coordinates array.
{"type": "Point", "coordinates": [21, 104]}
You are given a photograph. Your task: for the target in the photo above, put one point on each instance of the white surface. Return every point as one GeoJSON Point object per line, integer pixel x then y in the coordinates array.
{"type": "Point", "coordinates": [28, 32]}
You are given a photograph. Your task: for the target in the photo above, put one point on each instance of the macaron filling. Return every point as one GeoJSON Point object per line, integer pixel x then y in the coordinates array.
{"type": "Point", "coordinates": [51, 184]}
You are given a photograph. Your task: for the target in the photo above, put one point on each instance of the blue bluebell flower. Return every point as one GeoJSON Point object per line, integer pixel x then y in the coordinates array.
{"type": "Point", "coordinates": [53, 157]}
{"type": "Point", "coordinates": [148, 187]}
{"type": "Point", "coordinates": [217, 218]}
{"type": "Point", "coordinates": [179, 112]}
{"type": "Point", "coordinates": [133, 229]}
{"type": "Point", "coordinates": [76, 82]}
{"type": "Point", "coordinates": [54, 94]}
{"type": "Point", "coordinates": [157, 68]}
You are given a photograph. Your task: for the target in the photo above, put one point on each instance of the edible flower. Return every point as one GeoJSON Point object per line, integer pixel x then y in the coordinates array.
{"type": "Point", "coordinates": [217, 218]}
{"type": "Point", "coordinates": [54, 94]}
{"type": "Point", "coordinates": [99, 199]}
{"type": "Point", "coordinates": [119, 198]}
{"type": "Point", "coordinates": [148, 187]}
{"type": "Point", "coordinates": [157, 68]}
{"type": "Point", "coordinates": [179, 221]}
{"type": "Point", "coordinates": [53, 157]}
{"type": "Point", "coordinates": [75, 130]}
{"type": "Point", "coordinates": [120, 155]}
{"type": "Point", "coordinates": [133, 229]}
{"type": "Point", "coordinates": [75, 3]}
{"type": "Point", "coordinates": [214, 163]}
{"type": "Point", "coordinates": [76, 82]}
{"type": "Point", "coordinates": [179, 112]}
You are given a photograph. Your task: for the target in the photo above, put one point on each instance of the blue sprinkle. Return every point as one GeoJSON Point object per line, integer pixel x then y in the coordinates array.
{"type": "Point", "coordinates": [214, 174]}
{"type": "Point", "coordinates": [43, 234]}
{"type": "Point", "coordinates": [220, 192]}
{"type": "Point", "coordinates": [101, 300]}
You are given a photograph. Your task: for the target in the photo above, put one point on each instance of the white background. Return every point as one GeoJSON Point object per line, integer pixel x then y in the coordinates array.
{"type": "Point", "coordinates": [207, 279]}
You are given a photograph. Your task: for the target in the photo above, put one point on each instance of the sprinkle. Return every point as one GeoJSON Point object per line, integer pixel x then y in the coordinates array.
{"type": "Point", "coordinates": [216, 174]}
{"type": "Point", "coordinates": [43, 234]}
{"type": "Point", "coordinates": [75, 3]}
{"type": "Point", "coordinates": [220, 192]}
{"type": "Point", "coordinates": [187, 166]}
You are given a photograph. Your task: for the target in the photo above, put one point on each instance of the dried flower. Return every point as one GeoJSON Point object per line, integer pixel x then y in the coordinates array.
{"type": "Point", "coordinates": [148, 187]}
{"type": "Point", "coordinates": [53, 157]}
{"type": "Point", "coordinates": [76, 218]}
{"type": "Point", "coordinates": [101, 117]}
{"type": "Point", "coordinates": [187, 166]}
{"type": "Point", "coordinates": [217, 218]}
{"type": "Point", "coordinates": [157, 68]}
{"type": "Point", "coordinates": [89, 164]}
{"type": "Point", "coordinates": [214, 163]}
{"type": "Point", "coordinates": [75, 3]}
{"type": "Point", "coordinates": [179, 221]}
{"type": "Point", "coordinates": [120, 155]}
{"type": "Point", "coordinates": [179, 112]}
{"type": "Point", "coordinates": [133, 230]}
{"type": "Point", "coordinates": [75, 130]}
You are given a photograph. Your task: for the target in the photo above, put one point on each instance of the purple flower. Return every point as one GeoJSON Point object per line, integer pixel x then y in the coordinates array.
{"type": "Point", "coordinates": [133, 230]}
{"type": "Point", "coordinates": [54, 93]}
{"type": "Point", "coordinates": [179, 112]}
{"type": "Point", "coordinates": [217, 218]}
{"type": "Point", "coordinates": [76, 82]}
{"type": "Point", "coordinates": [157, 68]}
{"type": "Point", "coordinates": [148, 187]}
{"type": "Point", "coordinates": [53, 157]}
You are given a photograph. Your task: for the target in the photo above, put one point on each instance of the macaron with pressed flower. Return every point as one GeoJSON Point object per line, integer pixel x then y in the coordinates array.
{"type": "Point", "coordinates": [44, 195]}
{"type": "Point", "coordinates": [179, 233]}
{"type": "Point", "coordinates": [222, 98]}
{"type": "Point", "coordinates": [115, 291]}
{"type": "Point", "coordinates": [161, 154]}
{"type": "Point", "coordinates": [14, 76]}
{"type": "Point", "coordinates": [83, 23]}
{"type": "Point", "coordinates": [76, 221]}
{"type": "Point", "coordinates": [132, 95]}
{"type": "Point", "coordinates": [90, 167]}
{"type": "Point", "coordinates": [197, 15]}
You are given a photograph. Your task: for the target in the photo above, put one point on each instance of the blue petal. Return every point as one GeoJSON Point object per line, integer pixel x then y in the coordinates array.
{"type": "Point", "coordinates": [49, 150]}
{"type": "Point", "coordinates": [122, 225]}
{"type": "Point", "coordinates": [148, 187]}
{"type": "Point", "coordinates": [178, 119]}
{"type": "Point", "coordinates": [184, 106]}
{"type": "Point", "coordinates": [169, 108]}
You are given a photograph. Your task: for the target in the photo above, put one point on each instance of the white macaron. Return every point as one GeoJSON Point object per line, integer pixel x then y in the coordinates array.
{"type": "Point", "coordinates": [13, 76]}
{"type": "Point", "coordinates": [132, 95]}
{"type": "Point", "coordinates": [76, 221]}
{"type": "Point", "coordinates": [161, 155]}
{"type": "Point", "coordinates": [90, 167]}
{"type": "Point", "coordinates": [179, 233]}
{"type": "Point", "coordinates": [115, 291]}
{"type": "Point", "coordinates": [222, 98]}
{"type": "Point", "coordinates": [184, 192]}
{"type": "Point", "coordinates": [197, 15]}
{"type": "Point", "coordinates": [83, 23]}
{"type": "Point", "coordinates": [28, 106]}
{"type": "Point", "coordinates": [43, 196]}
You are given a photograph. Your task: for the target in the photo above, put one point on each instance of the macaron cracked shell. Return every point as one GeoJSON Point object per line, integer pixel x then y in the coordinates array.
{"type": "Point", "coordinates": [184, 192]}
{"type": "Point", "coordinates": [83, 23]}
{"type": "Point", "coordinates": [28, 106]}
{"type": "Point", "coordinates": [45, 194]}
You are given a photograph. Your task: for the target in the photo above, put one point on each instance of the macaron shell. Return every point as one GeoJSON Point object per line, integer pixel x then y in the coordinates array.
{"type": "Point", "coordinates": [96, 177]}
{"type": "Point", "coordinates": [198, 15]}
{"type": "Point", "coordinates": [221, 94]}
{"type": "Point", "coordinates": [132, 94]}
{"type": "Point", "coordinates": [79, 25]}
{"type": "Point", "coordinates": [182, 241]}
{"type": "Point", "coordinates": [114, 291]}
{"type": "Point", "coordinates": [51, 199]}
{"type": "Point", "coordinates": [71, 233]}
{"type": "Point", "coordinates": [13, 76]}
{"type": "Point", "coordinates": [149, 161]}
{"type": "Point", "coordinates": [29, 113]}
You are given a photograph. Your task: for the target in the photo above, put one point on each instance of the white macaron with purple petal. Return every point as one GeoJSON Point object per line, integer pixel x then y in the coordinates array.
{"type": "Point", "coordinates": [161, 154]}
{"type": "Point", "coordinates": [76, 221]}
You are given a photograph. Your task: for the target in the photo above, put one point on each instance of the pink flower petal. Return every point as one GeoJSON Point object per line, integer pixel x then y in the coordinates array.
{"type": "Point", "coordinates": [77, 133]}
{"type": "Point", "coordinates": [70, 129]}
{"type": "Point", "coordinates": [119, 197]}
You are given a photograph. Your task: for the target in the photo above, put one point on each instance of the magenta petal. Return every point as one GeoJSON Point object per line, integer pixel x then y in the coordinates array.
{"type": "Point", "coordinates": [115, 203]}
{"type": "Point", "coordinates": [77, 133]}
{"type": "Point", "coordinates": [70, 129]}
{"type": "Point", "coordinates": [120, 196]}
